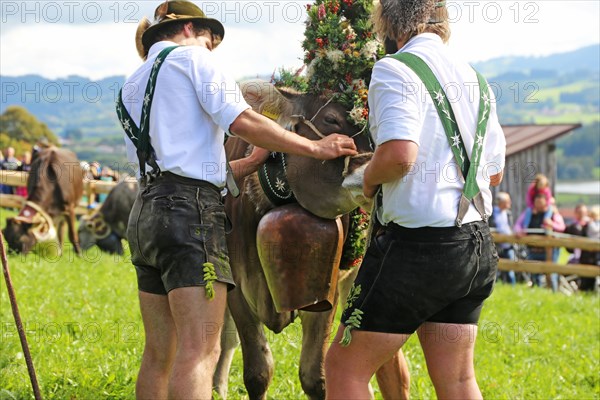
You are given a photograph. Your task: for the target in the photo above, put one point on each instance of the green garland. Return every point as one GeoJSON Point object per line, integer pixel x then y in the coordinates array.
{"type": "Point", "coordinates": [355, 246]}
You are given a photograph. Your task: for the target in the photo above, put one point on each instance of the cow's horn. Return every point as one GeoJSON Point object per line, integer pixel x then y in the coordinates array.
{"type": "Point", "coordinates": [43, 228]}
{"type": "Point", "coordinates": [101, 230]}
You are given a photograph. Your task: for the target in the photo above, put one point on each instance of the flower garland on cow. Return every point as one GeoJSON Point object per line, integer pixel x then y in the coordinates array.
{"type": "Point", "coordinates": [340, 50]}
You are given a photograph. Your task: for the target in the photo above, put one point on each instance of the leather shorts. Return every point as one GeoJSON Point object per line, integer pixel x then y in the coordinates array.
{"type": "Point", "coordinates": [412, 276]}
{"type": "Point", "coordinates": [176, 228]}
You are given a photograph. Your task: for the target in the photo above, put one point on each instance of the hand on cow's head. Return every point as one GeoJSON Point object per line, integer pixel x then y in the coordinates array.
{"type": "Point", "coordinates": [317, 185]}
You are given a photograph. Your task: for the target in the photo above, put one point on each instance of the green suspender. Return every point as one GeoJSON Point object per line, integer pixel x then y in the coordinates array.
{"type": "Point", "coordinates": [468, 167]}
{"type": "Point", "coordinates": [140, 137]}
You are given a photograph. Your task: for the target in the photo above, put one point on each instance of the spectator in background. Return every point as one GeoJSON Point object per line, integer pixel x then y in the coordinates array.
{"type": "Point", "coordinates": [10, 163]}
{"type": "Point", "coordinates": [594, 223]}
{"type": "Point", "coordinates": [502, 220]}
{"type": "Point", "coordinates": [541, 216]}
{"type": "Point", "coordinates": [25, 167]}
{"type": "Point", "coordinates": [540, 185]}
{"type": "Point", "coordinates": [590, 230]}
{"type": "Point", "coordinates": [95, 170]}
{"type": "Point", "coordinates": [578, 228]}
{"type": "Point", "coordinates": [109, 174]}
{"type": "Point", "coordinates": [1, 164]}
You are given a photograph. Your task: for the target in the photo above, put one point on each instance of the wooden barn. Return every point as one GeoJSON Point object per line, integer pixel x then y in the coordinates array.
{"type": "Point", "coordinates": [530, 150]}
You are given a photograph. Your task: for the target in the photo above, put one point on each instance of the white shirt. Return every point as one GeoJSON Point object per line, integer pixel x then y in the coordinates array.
{"type": "Point", "coordinates": [194, 103]}
{"type": "Point", "coordinates": [402, 109]}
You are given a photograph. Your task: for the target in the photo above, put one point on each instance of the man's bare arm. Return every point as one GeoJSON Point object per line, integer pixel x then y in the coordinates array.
{"type": "Point", "coordinates": [261, 131]}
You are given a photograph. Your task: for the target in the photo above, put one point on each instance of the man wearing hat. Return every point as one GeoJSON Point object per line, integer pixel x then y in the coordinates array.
{"type": "Point", "coordinates": [434, 263]}
{"type": "Point", "coordinates": [175, 109]}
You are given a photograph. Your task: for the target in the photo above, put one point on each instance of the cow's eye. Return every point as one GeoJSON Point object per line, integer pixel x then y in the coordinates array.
{"type": "Point", "coordinates": [331, 120]}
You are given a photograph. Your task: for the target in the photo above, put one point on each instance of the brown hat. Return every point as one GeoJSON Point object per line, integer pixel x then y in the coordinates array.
{"type": "Point", "coordinates": [171, 11]}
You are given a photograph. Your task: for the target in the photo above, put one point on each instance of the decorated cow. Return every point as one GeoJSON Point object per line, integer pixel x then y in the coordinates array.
{"type": "Point", "coordinates": [55, 187]}
{"type": "Point", "coordinates": [297, 231]}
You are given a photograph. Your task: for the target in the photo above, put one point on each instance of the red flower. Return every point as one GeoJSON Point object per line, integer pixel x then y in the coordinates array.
{"type": "Point", "coordinates": [348, 3]}
{"type": "Point", "coordinates": [320, 42]}
{"type": "Point", "coordinates": [308, 7]}
{"type": "Point", "coordinates": [322, 12]}
{"type": "Point", "coordinates": [334, 7]}
{"type": "Point", "coordinates": [348, 78]}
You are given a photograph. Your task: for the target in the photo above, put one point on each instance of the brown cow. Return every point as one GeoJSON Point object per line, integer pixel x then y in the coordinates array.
{"type": "Point", "coordinates": [55, 187]}
{"type": "Point", "coordinates": [327, 189]}
{"type": "Point", "coordinates": [107, 227]}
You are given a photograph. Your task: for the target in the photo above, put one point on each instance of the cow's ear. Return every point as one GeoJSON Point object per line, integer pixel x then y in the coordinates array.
{"type": "Point", "coordinates": [266, 99]}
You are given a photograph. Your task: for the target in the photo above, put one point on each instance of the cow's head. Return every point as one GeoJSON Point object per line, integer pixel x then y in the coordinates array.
{"type": "Point", "coordinates": [93, 230]}
{"type": "Point", "coordinates": [31, 226]}
{"type": "Point", "coordinates": [328, 189]}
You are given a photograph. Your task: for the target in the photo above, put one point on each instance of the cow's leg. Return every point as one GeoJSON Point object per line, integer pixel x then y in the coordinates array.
{"type": "Point", "coordinates": [60, 232]}
{"type": "Point", "coordinates": [316, 329]}
{"type": "Point", "coordinates": [229, 341]}
{"type": "Point", "coordinates": [258, 360]}
{"type": "Point", "coordinates": [73, 236]}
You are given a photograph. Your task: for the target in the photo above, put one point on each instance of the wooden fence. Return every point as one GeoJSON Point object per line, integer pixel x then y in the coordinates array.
{"type": "Point", "coordinates": [549, 242]}
{"type": "Point", "coordinates": [91, 188]}
{"type": "Point", "coordinates": [94, 187]}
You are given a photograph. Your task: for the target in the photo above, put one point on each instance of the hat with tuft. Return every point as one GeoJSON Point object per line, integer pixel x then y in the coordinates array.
{"type": "Point", "coordinates": [169, 12]}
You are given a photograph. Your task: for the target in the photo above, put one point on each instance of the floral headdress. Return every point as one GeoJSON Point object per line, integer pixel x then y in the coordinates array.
{"type": "Point", "coordinates": [340, 50]}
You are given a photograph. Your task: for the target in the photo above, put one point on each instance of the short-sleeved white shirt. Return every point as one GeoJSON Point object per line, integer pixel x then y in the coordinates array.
{"type": "Point", "coordinates": [402, 109]}
{"type": "Point", "coordinates": [194, 104]}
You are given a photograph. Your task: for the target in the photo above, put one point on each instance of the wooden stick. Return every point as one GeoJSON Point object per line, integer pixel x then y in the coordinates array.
{"type": "Point", "coordinates": [15, 310]}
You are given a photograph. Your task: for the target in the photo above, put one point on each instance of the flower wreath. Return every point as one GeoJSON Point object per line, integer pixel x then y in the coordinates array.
{"type": "Point", "coordinates": [340, 50]}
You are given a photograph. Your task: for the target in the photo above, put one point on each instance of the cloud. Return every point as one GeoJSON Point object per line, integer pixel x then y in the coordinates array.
{"type": "Point", "coordinates": [94, 51]}
{"type": "Point", "coordinates": [263, 35]}
{"type": "Point", "coordinates": [484, 30]}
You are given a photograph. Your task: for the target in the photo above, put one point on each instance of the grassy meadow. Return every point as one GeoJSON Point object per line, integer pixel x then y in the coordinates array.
{"type": "Point", "coordinates": [85, 333]}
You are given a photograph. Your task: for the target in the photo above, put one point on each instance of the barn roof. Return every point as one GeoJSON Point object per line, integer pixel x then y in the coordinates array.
{"type": "Point", "coordinates": [523, 137]}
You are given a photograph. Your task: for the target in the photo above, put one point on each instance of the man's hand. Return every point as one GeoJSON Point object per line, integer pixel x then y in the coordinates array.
{"type": "Point", "coordinates": [370, 190]}
{"type": "Point", "coordinates": [259, 155]}
{"type": "Point", "coordinates": [248, 165]}
{"type": "Point", "coordinates": [334, 146]}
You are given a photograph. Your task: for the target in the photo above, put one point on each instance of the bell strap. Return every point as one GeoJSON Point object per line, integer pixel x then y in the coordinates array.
{"type": "Point", "coordinates": [273, 180]}
{"type": "Point", "coordinates": [468, 166]}
{"type": "Point", "coordinates": [140, 137]}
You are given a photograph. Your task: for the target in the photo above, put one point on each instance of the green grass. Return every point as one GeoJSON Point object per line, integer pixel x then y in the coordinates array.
{"type": "Point", "coordinates": [85, 333]}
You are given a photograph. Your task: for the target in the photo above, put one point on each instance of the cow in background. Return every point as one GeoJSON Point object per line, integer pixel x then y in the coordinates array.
{"type": "Point", "coordinates": [108, 226]}
{"type": "Point", "coordinates": [55, 187]}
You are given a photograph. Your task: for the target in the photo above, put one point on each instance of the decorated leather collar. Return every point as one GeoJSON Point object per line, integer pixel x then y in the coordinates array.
{"type": "Point", "coordinates": [273, 180]}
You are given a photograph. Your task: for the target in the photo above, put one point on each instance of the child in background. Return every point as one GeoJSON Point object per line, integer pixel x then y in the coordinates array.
{"type": "Point", "coordinates": [540, 185]}
{"type": "Point", "coordinates": [593, 231]}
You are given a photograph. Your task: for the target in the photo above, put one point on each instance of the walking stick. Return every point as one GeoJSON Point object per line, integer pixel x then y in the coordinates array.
{"type": "Point", "coordinates": [15, 311]}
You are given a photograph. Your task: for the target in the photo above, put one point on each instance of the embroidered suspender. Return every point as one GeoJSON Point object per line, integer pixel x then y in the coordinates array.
{"type": "Point", "coordinates": [140, 137]}
{"type": "Point", "coordinates": [471, 191]}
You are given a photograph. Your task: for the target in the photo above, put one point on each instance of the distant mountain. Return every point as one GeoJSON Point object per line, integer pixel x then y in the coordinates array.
{"type": "Point", "coordinates": [583, 59]}
{"type": "Point", "coordinates": [559, 88]}
{"type": "Point", "coordinates": [66, 103]}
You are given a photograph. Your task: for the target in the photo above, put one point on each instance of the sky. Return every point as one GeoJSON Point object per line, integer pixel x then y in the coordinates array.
{"type": "Point", "coordinates": [95, 39]}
